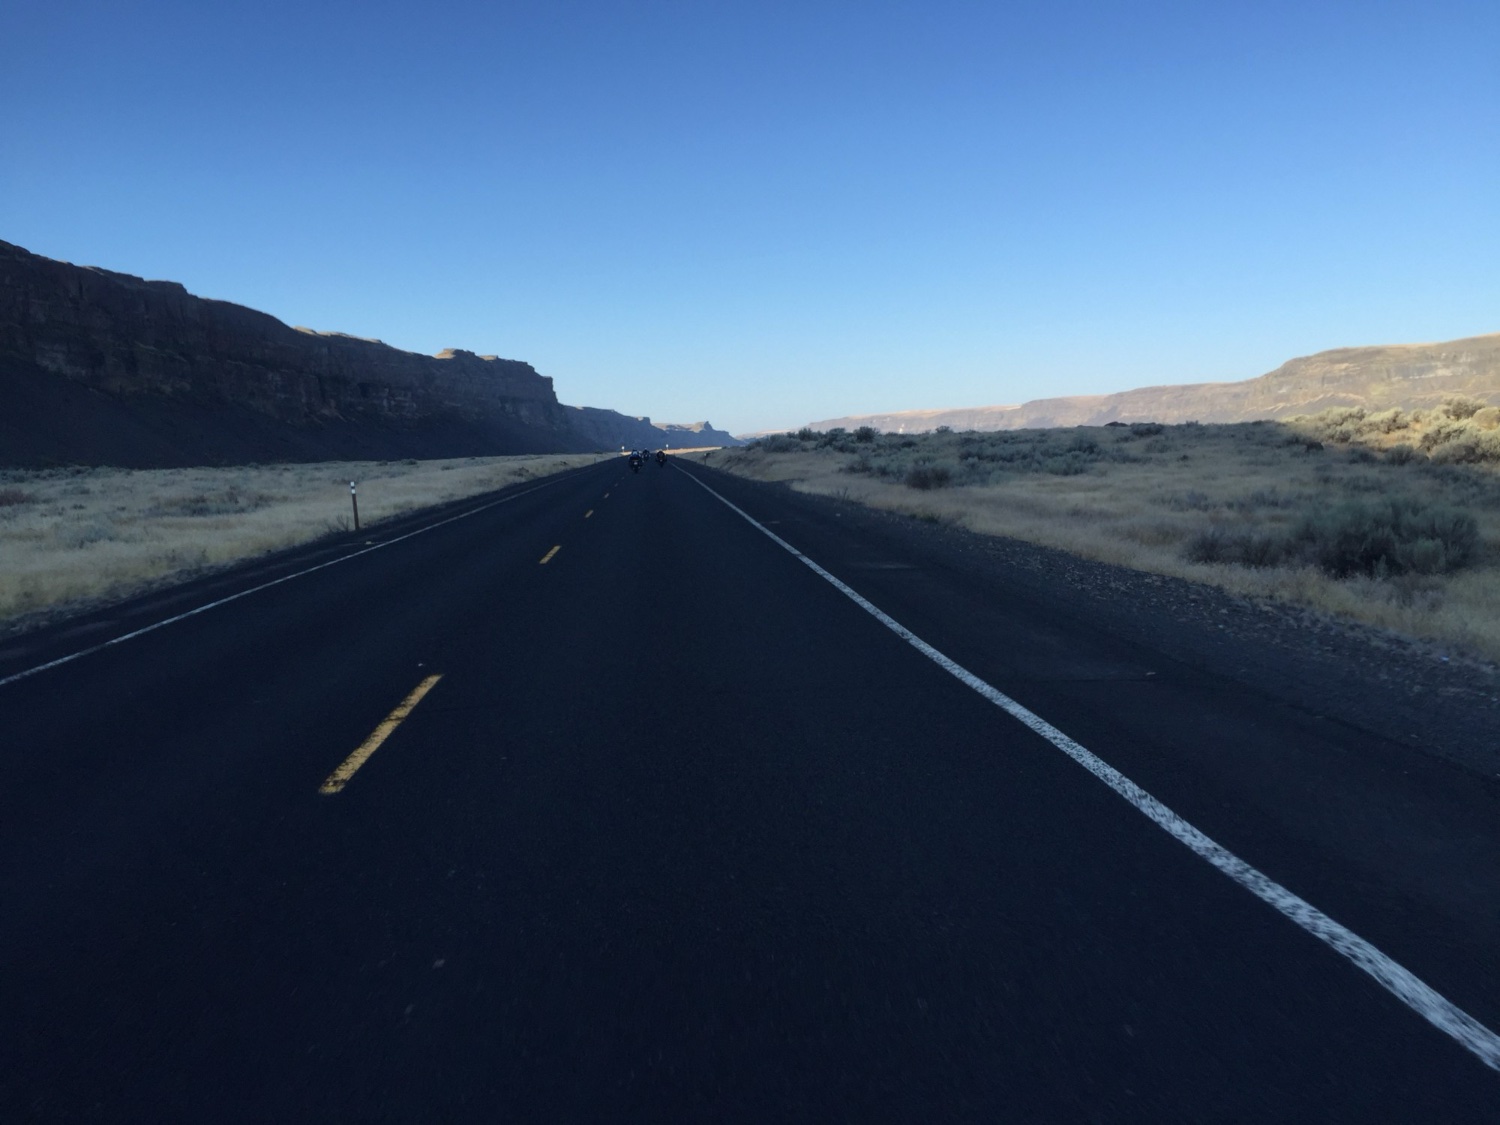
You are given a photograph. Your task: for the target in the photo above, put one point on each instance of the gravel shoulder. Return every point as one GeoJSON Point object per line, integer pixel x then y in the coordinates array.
{"type": "Point", "coordinates": [1417, 693]}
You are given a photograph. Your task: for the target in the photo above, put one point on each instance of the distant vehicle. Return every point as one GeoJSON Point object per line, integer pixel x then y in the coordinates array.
{"type": "Point", "coordinates": [661, 457]}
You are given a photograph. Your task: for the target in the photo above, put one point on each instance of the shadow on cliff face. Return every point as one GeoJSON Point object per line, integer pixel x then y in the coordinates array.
{"type": "Point", "coordinates": [101, 368]}
{"type": "Point", "coordinates": [49, 421]}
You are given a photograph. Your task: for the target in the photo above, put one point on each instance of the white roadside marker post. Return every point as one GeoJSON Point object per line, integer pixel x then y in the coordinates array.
{"type": "Point", "coordinates": [353, 499]}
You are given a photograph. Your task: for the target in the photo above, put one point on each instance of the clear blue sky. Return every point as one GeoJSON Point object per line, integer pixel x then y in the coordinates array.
{"type": "Point", "coordinates": [768, 213]}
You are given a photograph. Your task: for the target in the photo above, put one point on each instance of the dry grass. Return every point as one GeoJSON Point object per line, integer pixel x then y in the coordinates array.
{"type": "Point", "coordinates": [1261, 509]}
{"type": "Point", "coordinates": [71, 538]}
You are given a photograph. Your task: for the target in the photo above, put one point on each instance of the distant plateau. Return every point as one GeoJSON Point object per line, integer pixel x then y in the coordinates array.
{"type": "Point", "coordinates": [1406, 376]}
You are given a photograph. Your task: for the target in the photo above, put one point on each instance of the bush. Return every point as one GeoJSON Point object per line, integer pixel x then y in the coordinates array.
{"type": "Point", "coordinates": [928, 477]}
{"type": "Point", "coordinates": [1461, 408]}
{"type": "Point", "coordinates": [12, 497]}
{"type": "Point", "coordinates": [1244, 548]}
{"type": "Point", "coordinates": [779, 443]}
{"type": "Point", "coordinates": [865, 434]}
{"type": "Point", "coordinates": [836, 439]}
{"type": "Point", "coordinates": [1146, 429]}
{"type": "Point", "coordinates": [1470, 450]}
{"type": "Point", "coordinates": [807, 433]}
{"type": "Point", "coordinates": [1400, 454]}
{"type": "Point", "coordinates": [1395, 536]}
{"type": "Point", "coordinates": [1070, 464]}
{"type": "Point", "coordinates": [1388, 421]}
{"type": "Point", "coordinates": [1442, 433]}
{"type": "Point", "coordinates": [1337, 423]}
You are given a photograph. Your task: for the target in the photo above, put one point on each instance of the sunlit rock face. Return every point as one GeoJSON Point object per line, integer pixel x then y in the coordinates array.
{"type": "Point", "coordinates": [1409, 376]}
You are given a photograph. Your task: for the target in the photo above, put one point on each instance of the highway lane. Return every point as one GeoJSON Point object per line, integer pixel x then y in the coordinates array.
{"type": "Point", "coordinates": [680, 833]}
{"type": "Point", "coordinates": [184, 708]}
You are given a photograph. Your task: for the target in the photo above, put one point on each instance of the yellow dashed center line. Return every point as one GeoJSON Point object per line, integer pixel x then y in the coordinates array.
{"type": "Point", "coordinates": [340, 777]}
{"type": "Point", "coordinates": [588, 513]}
{"type": "Point", "coordinates": [548, 556]}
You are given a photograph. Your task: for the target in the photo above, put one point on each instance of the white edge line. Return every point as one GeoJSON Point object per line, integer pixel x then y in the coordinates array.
{"type": "Point", "coordinates": [264, 586]}
{"type": "Point", "coordinates": [1420, 997]}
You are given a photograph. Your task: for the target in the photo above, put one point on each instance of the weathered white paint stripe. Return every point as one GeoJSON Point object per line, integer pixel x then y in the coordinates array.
{"type": "Point", "coordinates": [1432, 1006]}
{"type": "Point", "coordinates": [141, 632]}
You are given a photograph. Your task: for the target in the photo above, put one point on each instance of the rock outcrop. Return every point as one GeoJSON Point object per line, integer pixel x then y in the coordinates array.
{"type": "Point", "coordinates": [151, 352]}
{"type": "Point", "coordinates": [101, 367]}
{"type": "Point", "coordinates": [1410, 376]}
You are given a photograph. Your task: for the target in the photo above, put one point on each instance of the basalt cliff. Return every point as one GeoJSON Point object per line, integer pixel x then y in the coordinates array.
{"type": "Point", "coordinates": [98, 367]}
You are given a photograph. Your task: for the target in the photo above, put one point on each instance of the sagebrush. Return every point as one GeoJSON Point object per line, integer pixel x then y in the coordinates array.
{"type": "Point", "coordinates": [1390, 517]}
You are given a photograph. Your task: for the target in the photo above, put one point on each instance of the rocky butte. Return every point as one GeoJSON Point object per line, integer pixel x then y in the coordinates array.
{"type": "Point", "coordinates": [98, 367]}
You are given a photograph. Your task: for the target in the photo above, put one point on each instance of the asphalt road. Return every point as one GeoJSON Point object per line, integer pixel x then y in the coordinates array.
{"type": "Point", "coordinates": [682, 833]}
